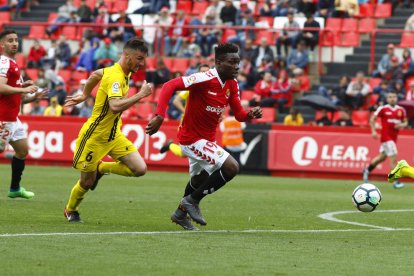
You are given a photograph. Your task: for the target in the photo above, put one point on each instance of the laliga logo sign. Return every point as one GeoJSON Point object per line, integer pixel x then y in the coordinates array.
{"type": "Point", "coordinates": [304, 151]}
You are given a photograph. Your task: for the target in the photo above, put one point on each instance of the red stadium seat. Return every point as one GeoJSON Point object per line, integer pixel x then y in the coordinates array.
{"type": "Point", "coordinates": [366, 10]}
{"type": "Point", "coordinates": [374, 82]}
{"type": "Point", "coordinates": [407, 40]}
{"type": "Point", "coordinates": [200, 7]}
{"type": "Point", "coordinates": [366, 25]}
{"type": "Point", "coordinates": [360, 118]}
{"type": "Point", "coordinates": [121, 5]}
{"type": "Point", "coordinates": [5, 17]}
{"type": "Point", "coordinates": [145, 110]}
{"type": "Point", "coordinates": [184, 5]}
{"type": "Point", "coordinates": [227, 33]}
{"type": "Point", "coordinates": [269, 114]}
{"type": "Point", "coordinates": [52, 16]}
{"type": "Point", "coordinates": [407, 82]}
{"type": "Point", "coordinates": [37, 32]}
{"type": "Point", "coordinates": [77, 76]}
{"type": "Point", "coordinates": [180, 65]}
{"type": "Point", "coordinates": [333, 24]}
{"type": "Point", "coordinates": [349, 25]}
{"type": "Point", "coordinates": [169, 63]}
{"type": "Point", "coordinates": [247, 95]}
{"type": "Point", "coordinates": [268, 19]}
{"type": "Point", "coordinates": [331, 38]}
{"type": "Point", "coordinates": [70, 32]}
{"type": "Point", "coordinates": [383, 10]}
{"type": "Point", "coordinates": [21, 61]}
{"type": "Point", "coordinates": [66, 75]}
{"type": "Point", "coordinates": [373, 99]}
{"type": "Point", "coordinates": [271, 37]}
{"type": "Point", "coordinates": [150, 63]}
{"type": "Point", "coordinates": [350, 39]}
{"type": "Point", "coordinates": [32, 73]}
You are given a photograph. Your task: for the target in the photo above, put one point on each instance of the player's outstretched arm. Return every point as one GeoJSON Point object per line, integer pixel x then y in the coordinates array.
{"type": "Point", "coordinates": [372, 125]}
{"type": "Point", "coordinates": [117, 105]}
{"type": "Point", "coordinates": [6, 89]}
{"type": "Point", "coordinates": [40, 94]}
{"type": "Point", "coordinates": [92, 81]}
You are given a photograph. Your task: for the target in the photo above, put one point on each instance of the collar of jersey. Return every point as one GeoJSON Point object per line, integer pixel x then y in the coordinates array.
{"type": "Point", "coordinates": [215, 73]}
{"type": "Point", "coordinates": [120, 68]}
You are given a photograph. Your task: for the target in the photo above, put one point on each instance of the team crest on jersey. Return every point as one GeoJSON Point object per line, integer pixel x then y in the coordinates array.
{"type": "Point", "coordinates": [228, 93]}
{"type": "Point", "coordinates": [399, 113]}
{"type": "Point", "coordinates": [219, 153]}
{"type": "Point", "coordinates": [115, 87]}
{"type": "Point", "coordinates": [192, 79]}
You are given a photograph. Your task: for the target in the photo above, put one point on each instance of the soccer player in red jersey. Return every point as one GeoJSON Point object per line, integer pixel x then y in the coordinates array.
{"type": "Point", "coordinates": [211, 167]}
{"type": "Point", "coordinates": [13, 91]}
{"type": "Point", "coordinates": [393, 118]}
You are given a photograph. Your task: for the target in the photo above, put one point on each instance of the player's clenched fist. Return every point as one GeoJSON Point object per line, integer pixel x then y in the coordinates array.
{"type": "Point", "coordinates": [146, 89]}
{"type": "Point", "coordinates": [255, 113]}
{"type": "Point", "coordinates": [30, 89]}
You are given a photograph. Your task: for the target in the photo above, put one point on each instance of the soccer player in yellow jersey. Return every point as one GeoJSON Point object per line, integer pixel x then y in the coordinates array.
{"type": "Point", "coordinates": [180, 102]}
{"type": "Point", "coordinates": [101, 135]}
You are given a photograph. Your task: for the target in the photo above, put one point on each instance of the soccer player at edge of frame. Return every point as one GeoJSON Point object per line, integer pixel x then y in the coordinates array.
{"type": "Point", "coordinates": [211, 167]}
{"type": "Point", "coordinates": [13, 92]}
{"type": "Point", "coordinates": [393, 118]}
{"type": "Point", "coordinates": [101, 135]}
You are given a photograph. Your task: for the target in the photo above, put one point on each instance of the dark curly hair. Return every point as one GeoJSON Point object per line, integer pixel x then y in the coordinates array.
{"type": "Point", "coordinates": [136, 44]}
{"type": "Point", "coordinates": [227, 48]}
{"type": "Point", "coordinates": [4, 33]}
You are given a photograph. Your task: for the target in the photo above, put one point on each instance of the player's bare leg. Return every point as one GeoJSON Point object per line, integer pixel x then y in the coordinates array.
{"type": "Point", "coordinates": [214, 182]}
{"type": "Point", "coordinates": [18, 164]}
{"type": "Point", "coordinates": [393, 163]}
{"type": "Point", "coordinates": [180, 216]}
{"type": "Point", "coordinates": [374, 163]}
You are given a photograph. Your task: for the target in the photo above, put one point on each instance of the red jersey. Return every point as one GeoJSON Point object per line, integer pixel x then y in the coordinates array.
{"type": "Point", "coordinates": [390, 116]}
{"type": "Point", "coordinates": [208, 99]}
{"type": "Point", "coordinates": [10, 104]}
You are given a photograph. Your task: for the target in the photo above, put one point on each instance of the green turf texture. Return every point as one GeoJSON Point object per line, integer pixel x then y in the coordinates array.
{"type": "Point", "coordinates": [247, 202]}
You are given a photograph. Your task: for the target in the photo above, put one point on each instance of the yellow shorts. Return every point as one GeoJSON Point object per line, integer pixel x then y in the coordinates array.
{"type": "Point", "coordinates": [90, 151]}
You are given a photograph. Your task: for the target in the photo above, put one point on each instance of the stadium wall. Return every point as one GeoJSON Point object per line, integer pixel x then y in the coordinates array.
{"type": "Point", "coordinates": [336, 152]}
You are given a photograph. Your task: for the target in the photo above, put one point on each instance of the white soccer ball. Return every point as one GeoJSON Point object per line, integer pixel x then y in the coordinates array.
{"type": "Point", "coordinates": [366, 197]}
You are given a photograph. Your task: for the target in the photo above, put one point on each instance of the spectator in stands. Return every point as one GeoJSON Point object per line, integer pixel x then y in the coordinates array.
{"type": "Point", "coordinates": [14, 6]}
{"type": "Point", "coordinates": [409, 95]}
{"type": "Point", "coordinates": [311, 37]}
{"type": "Point", "coordinates": [247, 69]}
{"type": "Point", "coordinates": [214, 8]}
{"type": "Point", "coordinates": [188, 50]}
{"type": "Point", "coordinates": [122, 33]}
{"type": "Point", "coordinates": [294, 118]}
{"type": "Point", "coordinates": [247, 50]}
{"type": "Point", "coordinates": [324, 119]}
{"type": "Point", "coordinates": [279, 66]}
{"type": "Point", "coordinates": [58, 92]}
{"type": "Point", "coordinates": [86, 109]}
{"type": "Point", "coordinates": [106, 54]}
{"type": "Point", "coordinates": [298, 58]}
{"type": "Point", "coordinates": [37, 108]}
{"type": "Point", "coordinates": [162, 74]}
{"type": "Point", "coordinates": [194, 65]}
{"type": "Point", "coordinates": [283, 7]}
{"type": "Point", "coordinates": [289, 37]}
{"type": "Point", "coordinates": [325, 8]}
{"type": "Point", "coordinates": [101, 19]}
{"type": "Point", "coordinates": [86, 61]}
{"type": "Point", "coordinates": [357, 92]}
{"type": "Point", "coordinates": [262, 89]}
{"type": "Point", "coordinates": [41, 81]}
{"type": "Point", "coordinates": [164, 19]}
{"type": "Point", "coordinates": [394, 71]}
{"type": "Point", "coordinates": [409, 24]}
{"type": "Point", "coordinates": [306, 6]}
{"type": "Point", "coordinates": [344, 118]}
{"type": "Point", "coordinates": [207, 37]}
{"type": "Point", "coordinates": [176, 34]}
{"type": "Point", "coordinates": [407, 64]}
{"type": "Point", "coordinates": [63, 16]}
{"type": "Point", "coordinates": [300, 83]}
{"type": "Point", "coordinates": [267, 9]}
{"type": "Point", "coordinates": [100, 4]}
{"type": "Point", "coordinates": [36, 53]}
{"type": "Point", "coordinates": [50, 59]}
{"type": "Point", "coordinates": [70, 111]}
{"type": "Point", "coordinates": [280, 93]}
{"type": "Point", "coordinates": [384, 64]}
{"type": "Point", "coordinates": [228, 13]}
{"type": "Point", "coordinates": [84, 12]}
{"type": "Point", "coordinates": [266, 66]}
{"type": "Point", "coordinates": [245, 21]}
{"type": "Point", "coordinates": [244, 8]}
{"type": "Point", "coordinates": [63, 53]}
{"type": "Point", "coordinates": [261, 51]}
{"type": "Point", "coordinates": [242, 81]}
{"type": "Point", "coordinates": [152, 6]}
{"type": "Point", "coordinates": [54, 109]}
{"type": "Point", "coordinates": [346, 8]}
{"type": "Point", "coordinates": [382, 91]}
{"type": "Point", "coordinates": [400, 89]}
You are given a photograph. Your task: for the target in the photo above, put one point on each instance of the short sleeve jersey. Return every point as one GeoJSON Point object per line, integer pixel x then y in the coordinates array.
{"type": "Point", "coordinates": [208, 98]}
{"type": "Point", "coordinates": [104, 124]}
{"type": "Point", "coordinates": [390, 116]}
{"type": "Point", "coordinates": [10, 104]}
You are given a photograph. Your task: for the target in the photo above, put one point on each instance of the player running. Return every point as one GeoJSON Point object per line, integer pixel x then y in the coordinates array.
{"type": "Point", "coordinates": [101, 135]}
{"type": "Point", "coordinates": [13, 92]}
{"type": "Point", "coordinates": [393, 118]}
{"type": "Point", "coordinates": [211, 167]}
{"type": "Point", "coordinates": [178, 100]}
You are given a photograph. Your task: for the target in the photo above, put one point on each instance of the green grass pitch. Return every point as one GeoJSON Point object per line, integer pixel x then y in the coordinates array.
{"type": "Point", "coordinates": [149, 244]}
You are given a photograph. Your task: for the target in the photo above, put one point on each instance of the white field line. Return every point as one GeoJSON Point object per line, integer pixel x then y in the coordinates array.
{"type": "Point", "coordinates": [197, 232]}
{"type": "Point", "coordinates": [331, 217]}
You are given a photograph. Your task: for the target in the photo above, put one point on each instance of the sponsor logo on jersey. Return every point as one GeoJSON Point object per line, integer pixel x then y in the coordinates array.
{"type": "Point", "coordinates": [115, 87]}
{"type": "Point", "coordinates": [213, 109]}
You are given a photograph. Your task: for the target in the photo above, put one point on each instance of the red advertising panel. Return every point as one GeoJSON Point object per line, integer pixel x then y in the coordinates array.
{"type": "Point", "coordinates": [332, 152]}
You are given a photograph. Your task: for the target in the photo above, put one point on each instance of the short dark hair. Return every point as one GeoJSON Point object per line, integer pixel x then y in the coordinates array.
{"type": "Point", "coordinates": [393, 91]}
{"type": "Point", "coordinates": [223, 49]}
{"type": "Point", "coordinates": [203, 65]}
{"type": "Point", "coordinates": [4, 33]}
{"type": "Point", "coordinates": [136, 44]}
